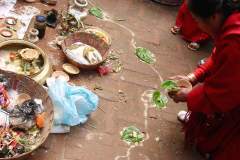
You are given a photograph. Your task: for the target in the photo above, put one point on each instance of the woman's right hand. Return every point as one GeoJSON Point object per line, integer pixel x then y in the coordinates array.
{"type": "Point", "coordinates": [190, 78]}
{"type": "Point", "coordinates": [180, 77]}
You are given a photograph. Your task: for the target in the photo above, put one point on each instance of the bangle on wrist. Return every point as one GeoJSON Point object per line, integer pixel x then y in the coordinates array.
{"type": "Point", "coordinates": [192, 78]}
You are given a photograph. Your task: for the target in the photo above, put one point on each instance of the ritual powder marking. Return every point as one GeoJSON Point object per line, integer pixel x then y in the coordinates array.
{"type": "Point", "coordinates": [145, 97]}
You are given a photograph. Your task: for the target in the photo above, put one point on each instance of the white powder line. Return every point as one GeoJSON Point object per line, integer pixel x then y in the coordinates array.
{"type": "Point", "coordinates": [158, 74]}
{"type": "Point", "coordinates": [127, 154]}
{"type": "Point", "coordinates": [148, 95]}
{"type": "Point", "coordinates": [133, 42]}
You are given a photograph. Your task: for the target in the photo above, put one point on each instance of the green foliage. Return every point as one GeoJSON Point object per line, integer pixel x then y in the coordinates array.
{"type": "Point", "coordinates": [170, 85]}
{"type": "Point", "coordinates": [159, 100]}
{"type": "Point", "coordinates": [132, 134]}
{"type": "Point", "coordinates": [97, 12]}
{"type": "Point", "coordinates": [145, 55]}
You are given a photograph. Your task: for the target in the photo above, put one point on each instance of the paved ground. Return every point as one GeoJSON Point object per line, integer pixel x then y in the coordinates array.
{"type": "Point", "coordinates": [99, 139]}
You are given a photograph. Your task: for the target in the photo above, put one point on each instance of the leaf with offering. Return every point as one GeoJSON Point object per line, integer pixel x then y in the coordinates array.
{"type": "Point", "coordinates": [145, 55]}
{"type": "Point", "coordinates": [97, 12]}
{"type": "Point", "coordinates": [159, 100]}
{"type": "Point", "coordinates": [170, 86]}
{"type": "Point", "coordinates": [132, 134]}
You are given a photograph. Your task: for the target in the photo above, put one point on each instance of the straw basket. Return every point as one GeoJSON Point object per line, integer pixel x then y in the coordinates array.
{"type": "Point", "coordinates": [25, 84]}
{"type": "Point", "coordinates": [97, 30]}
{"type": "Point", "coordinates": [15, 45]}
{"type": "Point", "coordinates": [91, 40]}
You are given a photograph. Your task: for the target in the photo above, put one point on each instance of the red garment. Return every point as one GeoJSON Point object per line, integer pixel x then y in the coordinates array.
{"type": "Point", "coordinates": [214, 105]}
{"type": "Point", "coordinates": [189, 27]}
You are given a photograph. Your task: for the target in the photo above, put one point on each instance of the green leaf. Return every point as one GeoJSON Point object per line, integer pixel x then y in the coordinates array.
{"type": "Point", "coordinates": [145, 55]}
{"type": "Point", "coordinates": [159, 100]}
{"type": "Point", "coordinates": [132, 134]}
{"type": "Point", "coordinates": [97, 12]}
{"type": "Point", "coordinates": [170, 85]}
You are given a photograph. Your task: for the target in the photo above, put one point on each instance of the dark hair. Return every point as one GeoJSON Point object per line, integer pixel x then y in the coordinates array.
{"type": "Point", "coordinates": [206, 8]}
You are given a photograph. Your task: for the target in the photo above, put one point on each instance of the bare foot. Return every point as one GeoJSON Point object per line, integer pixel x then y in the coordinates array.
{"type": "Point", "coordinates": [175, 30]}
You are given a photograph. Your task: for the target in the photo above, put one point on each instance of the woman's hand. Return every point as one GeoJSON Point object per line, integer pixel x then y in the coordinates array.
{"type": "Point", "coordinates": [190, 78]}
{"type": "Point", "coordinates": [180, 77]}
{"type": "Point", "coordinates": [181, 95]}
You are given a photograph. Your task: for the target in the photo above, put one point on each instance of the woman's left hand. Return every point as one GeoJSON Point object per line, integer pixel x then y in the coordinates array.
{"type": "Point", "coordinates": [181, 95]}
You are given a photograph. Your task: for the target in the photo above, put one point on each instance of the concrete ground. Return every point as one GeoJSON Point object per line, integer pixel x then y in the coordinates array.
{"type": "Point", "coordinates": [147, 24]}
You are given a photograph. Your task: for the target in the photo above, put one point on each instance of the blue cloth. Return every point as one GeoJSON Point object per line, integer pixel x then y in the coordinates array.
{"type": "Point", "coordinates": [72, 104]}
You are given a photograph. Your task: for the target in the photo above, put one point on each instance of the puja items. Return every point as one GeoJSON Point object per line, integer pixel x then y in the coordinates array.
{"type": "Point", "coordinates": [99, 33]}
{"type": "Point", "coordinates": [83, 53]}
{"type": "Point", "coordinates": [40, 25]}
{"type": "Point", "coordinates": [33, 35]}
{"type": "Point", "coordinates": [25, 58]}
{"type": "Point", "coordinates": [11, 21]}
{"type": "Point", "coordinates": [85, 50]}
{"type": "Point", "coordinates": [70, 69]}
{"type": "Point", "coordinates": [27, 61]}
{"type": "Point", "coordinates": [81, 4]}
{"type": "Point", "coordinates": [52, 18]}
{"type": "Point", "coordinates": [69, 24]}
{"type": "Point", "coordinates": [21, 120]}
{"type": "Point", "coordinates": [8, 28]}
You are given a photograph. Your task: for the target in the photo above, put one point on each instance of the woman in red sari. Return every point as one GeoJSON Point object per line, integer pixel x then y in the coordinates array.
{"type": "Point", "coordinates": [188, 28]}
{"type": "Point", "coordinates": [212, 124]}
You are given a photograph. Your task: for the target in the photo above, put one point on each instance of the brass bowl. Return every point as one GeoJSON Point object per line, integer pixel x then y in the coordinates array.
{"type": "Point", "coordinates": [91, 40]}
{"type": "Point", "coordinates": [24, 84]}
{"type": "Point", "coordinates": [14, 45]}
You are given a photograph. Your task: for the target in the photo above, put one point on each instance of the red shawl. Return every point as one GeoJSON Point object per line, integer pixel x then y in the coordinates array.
{"type": "Point", "coordinates": [217, 99]}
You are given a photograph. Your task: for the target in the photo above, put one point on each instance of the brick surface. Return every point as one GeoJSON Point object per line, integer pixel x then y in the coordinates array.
{"type": "Point", "coordinates": [99, 139]}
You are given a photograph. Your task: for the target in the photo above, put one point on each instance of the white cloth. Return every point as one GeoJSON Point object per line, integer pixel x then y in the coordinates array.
{"type": "Point", "coordinates": [6, 6]}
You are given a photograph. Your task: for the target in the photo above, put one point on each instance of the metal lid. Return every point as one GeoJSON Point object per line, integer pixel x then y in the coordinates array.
{"type": "Point", "coordinates": [41, 18]}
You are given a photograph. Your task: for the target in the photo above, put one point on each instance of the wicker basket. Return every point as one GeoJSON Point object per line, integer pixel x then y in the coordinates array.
{"type": "Point", "coordinates": [25, 84]}
{"type": "Point", "coordinates": [97, 29]}
{"type": "Point", "coordinates": [16, 44]}
{"type": "Point", "coordinates": [90, 40]}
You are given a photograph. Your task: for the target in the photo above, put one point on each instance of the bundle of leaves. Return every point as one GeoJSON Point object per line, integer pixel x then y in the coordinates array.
{"type": "Point", "coordinates": [145, 55]}
{"type": "Point", "coordinates": [170, 86]}
{"type": "Point", "coordinates": [159, 99]}
{"type": "Point", "coordinates": [132, 135]}
{"type": "Point", "coordinates": [97, 12]}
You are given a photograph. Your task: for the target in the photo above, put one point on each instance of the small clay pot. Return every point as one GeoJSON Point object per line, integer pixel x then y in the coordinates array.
{"type": "Point", "coordinates": [6, 33]}
{"type": "Point", "coordinates": [70, 69]}
{"type": "Point", "coordinates": [80, 5]}
{"type": "Point", "coordinates": [11, 21]}
{"type": "Point", "coordinates": [34, 32]}
{"type": "Point", "coordinates": [33, 35]}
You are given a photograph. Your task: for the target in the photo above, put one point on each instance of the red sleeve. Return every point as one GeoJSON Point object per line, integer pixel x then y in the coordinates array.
{"type": "Point", "coordinates": [220, 92]}
{"type": "Point", "coordinates": [202, 71]}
